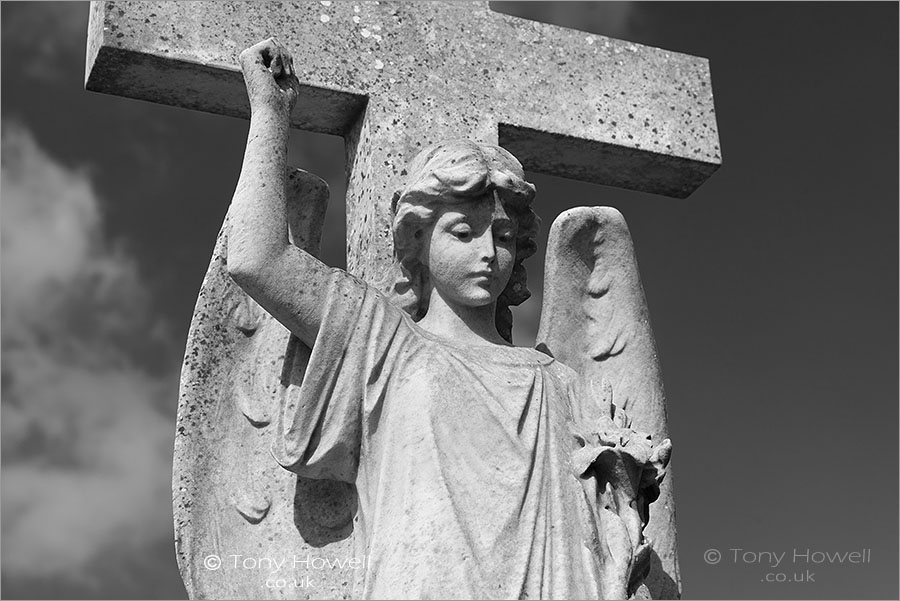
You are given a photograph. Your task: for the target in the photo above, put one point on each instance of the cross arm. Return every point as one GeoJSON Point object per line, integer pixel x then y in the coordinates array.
{"type": "Point", "coordinates": [608, 111]}
{"type": "Point", "coordinates": [127, 58]}
{"type": "Point", "coordinates": [565, 102]}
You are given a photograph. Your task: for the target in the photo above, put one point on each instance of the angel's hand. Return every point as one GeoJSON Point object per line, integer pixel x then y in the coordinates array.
{"type": "Point", "coordinates": [269, 74]}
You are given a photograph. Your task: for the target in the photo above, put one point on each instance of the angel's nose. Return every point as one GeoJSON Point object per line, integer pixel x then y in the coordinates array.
{"type": "Point", "coordinates": [486, 247]}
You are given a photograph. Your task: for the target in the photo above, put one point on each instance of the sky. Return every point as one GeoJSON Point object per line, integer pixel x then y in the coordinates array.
{"type": "Point", "coordinates": [772, 292]}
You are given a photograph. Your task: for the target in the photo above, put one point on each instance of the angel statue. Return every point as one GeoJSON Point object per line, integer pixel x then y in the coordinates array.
{"type": "Point", "coordinates": [339, 438]}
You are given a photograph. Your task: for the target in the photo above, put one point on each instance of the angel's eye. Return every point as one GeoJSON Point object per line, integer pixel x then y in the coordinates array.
{"type": "Point", "coordinates": [462, 232]}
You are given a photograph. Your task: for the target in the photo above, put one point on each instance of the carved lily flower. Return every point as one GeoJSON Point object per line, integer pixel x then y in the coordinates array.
{"type": "Point", "coordinates": [623, 469]}
{"type": "Point", "coordinates": [612, 450]}
{"type": "Point", "coordinates": [609, 443]}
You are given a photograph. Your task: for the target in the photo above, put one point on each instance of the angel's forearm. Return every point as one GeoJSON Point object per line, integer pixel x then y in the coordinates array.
{"type": "Point", "coordinates": [260, 257]}
{"type": "Point", "coordinates": [258, 226]}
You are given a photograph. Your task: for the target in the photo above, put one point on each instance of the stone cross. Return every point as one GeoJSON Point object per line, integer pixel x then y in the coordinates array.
{"type": "Point", "coordinates": [392, 78]}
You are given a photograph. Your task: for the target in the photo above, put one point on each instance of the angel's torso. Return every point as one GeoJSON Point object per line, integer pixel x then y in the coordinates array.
{"type": "Point", "coordinates": [461, 456]}
{"type": "Point", "coordinates": [465, 481]}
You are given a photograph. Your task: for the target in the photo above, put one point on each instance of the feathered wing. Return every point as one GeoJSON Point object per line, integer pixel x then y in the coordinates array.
{"type": "Point", "coordinates": [237, 512]}
{"type": "Point", "coordinates": [595, 320]}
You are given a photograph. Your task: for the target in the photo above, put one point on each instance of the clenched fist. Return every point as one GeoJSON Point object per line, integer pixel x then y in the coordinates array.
{"type": "Point", "coordinates": [269, 75]}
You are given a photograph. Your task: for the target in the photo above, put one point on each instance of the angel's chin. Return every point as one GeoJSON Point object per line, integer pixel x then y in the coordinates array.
{"type": "Point", "coordinates": [478, 297]}
{"type": "Point", "coordinates": [470, 294]}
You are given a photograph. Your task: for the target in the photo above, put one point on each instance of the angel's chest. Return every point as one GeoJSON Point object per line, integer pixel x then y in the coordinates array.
{"type": "Point", "coordinates": [478, 408]}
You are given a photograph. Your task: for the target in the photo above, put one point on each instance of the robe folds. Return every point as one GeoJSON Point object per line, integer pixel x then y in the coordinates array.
{"type": "Point", "coordinates": [461, 456]}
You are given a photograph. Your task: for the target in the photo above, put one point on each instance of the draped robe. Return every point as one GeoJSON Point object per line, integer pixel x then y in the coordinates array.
{"type": "Point", "coordinates": [461, 455]}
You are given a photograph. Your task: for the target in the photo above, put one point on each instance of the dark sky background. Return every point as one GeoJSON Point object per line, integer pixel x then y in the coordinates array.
{"type": "Point", "coordinates": [773, 294]}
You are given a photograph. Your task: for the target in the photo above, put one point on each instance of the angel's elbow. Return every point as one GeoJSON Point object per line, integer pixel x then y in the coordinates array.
{"type": "Point", "coordinates": [244, 270]}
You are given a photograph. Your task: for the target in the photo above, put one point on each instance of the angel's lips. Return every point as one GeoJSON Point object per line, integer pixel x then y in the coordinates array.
{"type": "Point", "coordinates": [482, 276]}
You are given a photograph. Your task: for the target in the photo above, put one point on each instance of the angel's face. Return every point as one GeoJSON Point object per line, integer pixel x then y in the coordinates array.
{"type": "Point", "coordinates": [470, 251]}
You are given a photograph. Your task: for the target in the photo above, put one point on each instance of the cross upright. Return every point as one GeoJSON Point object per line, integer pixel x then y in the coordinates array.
{"type": "Point", "coordinates": [394, 77]}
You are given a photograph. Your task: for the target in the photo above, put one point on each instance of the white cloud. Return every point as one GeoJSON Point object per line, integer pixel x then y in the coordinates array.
{"type": "Point", "coordinates": [86, 452]}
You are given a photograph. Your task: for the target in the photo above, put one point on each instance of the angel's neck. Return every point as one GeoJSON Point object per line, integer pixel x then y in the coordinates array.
{"type": "Point", "coordinates": [461, 323]}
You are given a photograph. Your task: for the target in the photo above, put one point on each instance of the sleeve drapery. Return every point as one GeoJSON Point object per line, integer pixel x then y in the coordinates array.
{"type": "Point", "coordinates": [319, 431]}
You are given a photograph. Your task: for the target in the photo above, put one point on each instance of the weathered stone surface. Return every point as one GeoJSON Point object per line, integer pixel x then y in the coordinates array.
{"type": "Point", "coordinates": [482, 470]}
{"type": "Point", "coordinates": [231, 501]}
{"type": "Point", "coordinates": [395, 77]}
{"type": "Point", "coordinates": [595, 319]}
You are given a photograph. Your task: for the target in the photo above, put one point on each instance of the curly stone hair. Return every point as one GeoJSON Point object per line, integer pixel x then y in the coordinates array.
{"type": "Point", "coordinates": [449, 173]}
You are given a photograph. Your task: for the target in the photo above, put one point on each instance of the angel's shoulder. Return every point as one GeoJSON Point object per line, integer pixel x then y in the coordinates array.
{"type": "Point", "coordinates": [355, 306]}
{"type": "Point", "coordinates": [563, 371]}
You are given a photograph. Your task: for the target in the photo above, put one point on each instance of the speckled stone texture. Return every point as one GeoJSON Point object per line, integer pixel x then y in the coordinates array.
{"type": "Point", "coordinates": [393, 78]}
{"type": "Point", "coordinates": [236, 510]}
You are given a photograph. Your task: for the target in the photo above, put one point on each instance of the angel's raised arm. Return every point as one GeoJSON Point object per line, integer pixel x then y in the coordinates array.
{"type": "Point", "coordinates": [286, 281]}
